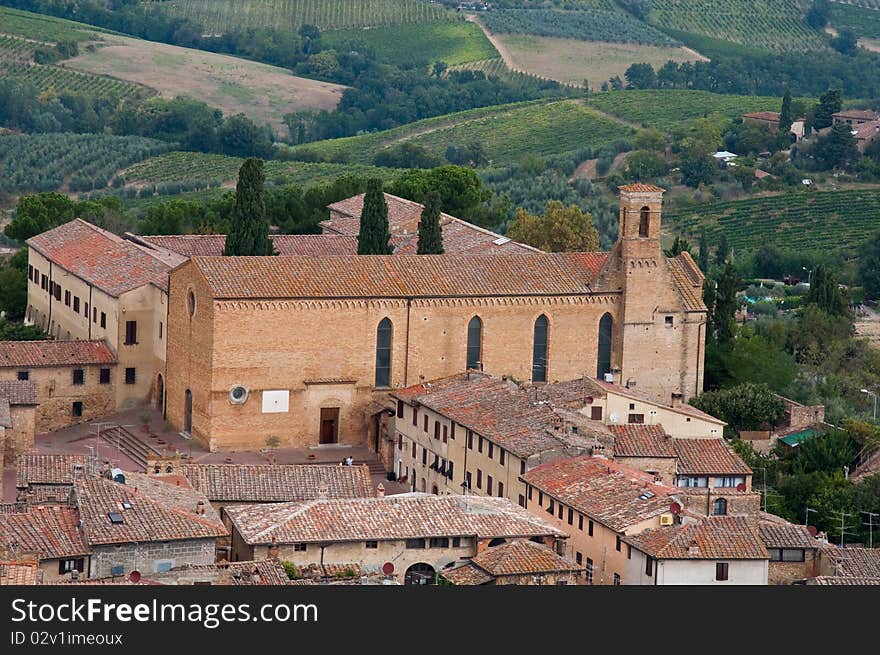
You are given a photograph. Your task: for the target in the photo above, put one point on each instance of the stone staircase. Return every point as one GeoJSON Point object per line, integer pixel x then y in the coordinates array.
{"type": "Point", "coordinates": [132, 446]}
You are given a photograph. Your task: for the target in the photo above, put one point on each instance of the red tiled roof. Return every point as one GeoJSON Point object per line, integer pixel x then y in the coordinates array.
{"type": "Point", "coordinates": [467, 574]}
{"type": "Point", "coordinates": [212, 245]}
{"type": "Point", "coordinates": [159, 512]}
{"type": "Point", "coordinates": [51, 532]}
{"type": "Point", "coordinates": [393, 276]}
{"type": "Point", "coordinates": [713, 537]}
{"type": "Point", "coordinates": [640, 187]}
{"type": "Point", "coordinates": [236, 574]}
{"type": "Point", "coordinates": [827, 580]}
{"type": "Point", "coordinates": [403, 516]}
{"type": "Point", "coordinates": [520, 557]}
{"type": "Point", "coordinates": [763, 115]}
{"type": "Point", "coordinates": [866, 130]}
{"type": "Point", "coordinates": [31, 354]}
{"type": "Point", "coordinates": [602, 490]}
{"type": "Point", "coordinates": [18, 392]}
{"type": "Point", "coordinates": [38, 468]}
{"type": "Point", "coordinates": [689, 280]}
{"type": "Point", "coordinates": [707, 457]}
{"type": "Point", "coordinates": [857, 114]}
{"type": "Point", "coordinates": [853, 562]}
{"type": "Point", "coordinates": [786, 535]}
{"type": "Point", "coordinates": [459, 237]}
{"type": "Point", "coordinates": [101, 258]}
{"type": "Point", "coordinates": [264, 483]}
{"type": "Point", "coordinates": [20, 573]}
{"type": "Point", "coordinates": [639, 440]}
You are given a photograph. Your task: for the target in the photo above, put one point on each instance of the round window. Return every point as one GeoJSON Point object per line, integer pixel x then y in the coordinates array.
{"type": "Point", "coordinates": [191, 302]}
{"type": "Point", "coordinates": [238, 393]}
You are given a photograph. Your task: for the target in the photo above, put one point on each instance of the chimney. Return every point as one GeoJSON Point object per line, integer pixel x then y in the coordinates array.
{"type": "Point", "coordinates": [200, 507]}
{"type": "Point", "coordinates": [630, 383]}
{"type": "Point", "coordinates": [380, 491]}
{"type": "Point", "coordinates": [323, 490]}
{"type": "Point", "coordinates": [677, 399]}
{"type": "Point", "coordinates": [273, 549]}
{"type": "Point", "coordinates": [693, 548]}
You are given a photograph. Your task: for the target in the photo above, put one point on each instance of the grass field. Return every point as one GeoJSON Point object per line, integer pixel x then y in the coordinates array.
{"type": "Point", "coordinates": [219, 16]}
{"type": "Point", "coordinates": [862, 20]}
{"type": "Point", "coordinates": [264, 93]}
{"type": "Point", "coordinates": [774, 25]}
{"type": "Point", "coordinates": [455, 43]}
{"type": "Point", "coordinates": [820, 220]}
{"type": "Point", "coordinates": [201, 167]}
{"type": "Point", "coordinates": [44, 28]}
{"type": "Point", "coordinates": [572, 61]}
{"type": "Point", "coordinates": [497, 68]}
{"type": "Point", "coordinates": [671, 109]}
{"type": "Point", "coordinates": [507, 132]}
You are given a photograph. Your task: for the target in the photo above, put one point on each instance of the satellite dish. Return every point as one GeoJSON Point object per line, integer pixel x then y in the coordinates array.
{"type": "Point", "coordinates": [812, 530]}
{"type": "Point", "coordinates": [388, 568]}
{"type": "Point", "coordinates": [675, 508]}
{"type": "Point", "coordinates": [741, 486]}
{"type": "Point", "coordinates": [588, 400]}
{"type": "Point", "coordinates": [134, 577]}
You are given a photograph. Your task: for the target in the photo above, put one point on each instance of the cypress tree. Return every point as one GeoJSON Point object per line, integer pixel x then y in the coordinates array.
{"type": "Point", "coordinates": [785, 117]}
{"type": "Point", "coordinates": [430, 234]}
{"type": "Point", "coordinates": [374, 238]}
{"type": "Point", "coordinates": [704, 252]}
{"type": "Point", "coordinates": [249, 232]}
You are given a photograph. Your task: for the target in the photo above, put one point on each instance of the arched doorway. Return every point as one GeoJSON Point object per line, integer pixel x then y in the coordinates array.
{"type": "Point", "coordinates": [188, 412]}
{"type": "Point", "coordinates": [420, 573]}
{"type": "Point", "coordinates": [603, 356]}
{"type": "Point", "coordinates": [434, 489]}
{"type": "Point", "coordinates": [424, 485]}
{"type": "Point", "coordinates": [160, 393]}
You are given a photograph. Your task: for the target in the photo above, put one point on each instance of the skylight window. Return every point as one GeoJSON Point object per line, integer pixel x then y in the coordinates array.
{"type": "Point", "coordinates": [126, 505]}
{"type": "Point", "coordinates": [500, 241]}
{"type": "Point", "coordinates": [647, 495]}
{"type": "Point", "coordinates": [115, 518]}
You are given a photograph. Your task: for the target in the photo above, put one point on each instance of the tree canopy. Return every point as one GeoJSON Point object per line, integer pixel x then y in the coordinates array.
{"type": "Point", "coordinates": [430, 234]}
{"type": "Point", "coordinates": [249, 232]}
{"type": "Point", "coordinates": [559, 229]}
{"type": "Point", "coordinates": [374, 237]}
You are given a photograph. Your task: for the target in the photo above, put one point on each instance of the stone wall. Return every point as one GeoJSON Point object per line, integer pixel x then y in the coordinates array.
{"type": "Point", "coordinates": [145, 557]}
{"type": "Point", "coordinates": [20, 437]}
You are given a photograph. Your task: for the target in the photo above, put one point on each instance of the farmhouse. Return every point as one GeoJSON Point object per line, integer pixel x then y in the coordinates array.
{"type": "Point", "coordinates": [306, 349]}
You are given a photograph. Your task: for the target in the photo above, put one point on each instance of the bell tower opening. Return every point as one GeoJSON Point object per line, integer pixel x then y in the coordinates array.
{"type": "Point", "coordinates": [644, 219]}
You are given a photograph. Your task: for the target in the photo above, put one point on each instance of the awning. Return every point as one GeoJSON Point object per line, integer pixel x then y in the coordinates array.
{"type": "Point", "coordinates": [796, 438]}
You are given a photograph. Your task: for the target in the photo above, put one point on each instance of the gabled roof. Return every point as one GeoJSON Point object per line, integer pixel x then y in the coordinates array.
{"type": "Point", "coordinates": [689, 281]}
{"type": "Point", "coordinates": [20, 573]}
{"type": "Point", "coordinates": [33, 354]}
{"type": "Point", "coordinates": [640, 440]}
{"type": "Point", "coordinates": [854, 562]}
{"type": "Point", "coordinates": [264, 483]}
{"type": "Point", "coordinates": [38, 468]}
{"type": "Point", "coordinates": [400, 276]}
{"type": "Point", "coordinates": [786, 535]}
{"type": "Point", "coordinates": [602, 388]}
{"type": "Point", "coordinates": [713, 537]}
{"type": "Point", "coordinates": [640, 187]}
{"type": "Point", "coordinates": [18, 392]}
{"type": "Point", "coordinates": [857, 114]}
{"type": "Point", "coordinates": [763, 115]}
{"type": "Point", "coordinates": [514, 558]}
{"type": "Point", "coordinates": [459, 237]}
{"type": "Point", "coordinates": [101, 258]}
{"type": "Point", "coordinates": [707, 457]}
{"type": "Point", "coordinates": [212, 245]}
{"type": "Point", "coordinates": [616, 496]}
{"type": "Point", "coordinates": [157, 512]}
{"type": "Point", "coordinates": [51, 532]}
{"type": "Point", "coordinates": [403, 516]}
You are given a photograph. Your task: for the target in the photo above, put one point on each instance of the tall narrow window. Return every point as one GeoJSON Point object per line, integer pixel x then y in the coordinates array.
{"type": "Point", "coordinates": [644, 218]}
{"type": "Point", "coordinates": [131, 332]}
{"type": "Point", "coordinates": [383, 353]}
{"type": "Point", "coordinates": [603, 356]}
{"type": "Point", "coordinates": [539, 351]}
{"type": "Point", "coordinates": [474, 343]}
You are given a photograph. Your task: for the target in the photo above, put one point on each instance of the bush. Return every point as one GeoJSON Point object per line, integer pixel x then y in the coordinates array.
{"type": "Point", "coordinates": [292, 570]}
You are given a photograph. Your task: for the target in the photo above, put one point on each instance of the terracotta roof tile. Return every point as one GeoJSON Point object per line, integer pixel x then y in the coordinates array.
{"type": "Point", "coordinates": [396, 276]}
{"type": "Point", "coordinates": [640, 187]}
{"type": "Point", "coordinates": [857, 114]}
{"type": "Point", "coordinates": [404, 215]}
{"type": "Point", "coordinates": [853, 562]}
{"type": "Point", "coordinates": [20, 573]}
{"type": "Point", "coordinates": [32, 354]}
{"type": "Point", "coordinates": [689, 280]}
{"type": "Point", "coordinates": [707, 457]}
{"type": "Point", "coordinates": [828, 581]}
{"type": "Point", "coordinates": [212, 245]}
{"type": "Point", "coordinates": [521, 557]}
{"type": "Point", "coordinates": [38, 468]}
{"type": "Point", "coordinates": [786, 535]}
{"type": "Point", "coordinates": [257, 483]}
{"type": "Point", "coordinates": [18, 392]}
{"type": "Point", "coordinates": [467, 574]}
{"type": "Point", "coordinates": [713, 537]}
{"type": "Point", "coordinates": [639, 440]}
{"type": "Point", "coordinates": [51, 532]}
{"type": "Point", "coordinates": [403, 516]}
{"type": "Point", "coordinates": [159, 512]}
{"type": "Point", "coordinates": [603, 490]}
{"type": "Point", "coordinates": [101, 258]}
{"type": "Point", "coordinates": [236, 574]}
{"type": "Point", "coordinates": [763, 115]}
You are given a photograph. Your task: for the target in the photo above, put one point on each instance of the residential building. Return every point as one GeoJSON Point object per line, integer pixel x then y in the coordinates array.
{"type": "Point", "coordinates": [598, 503]}
{"type": "Point", "coordinates": [645, 448]}
{"type": "Point", "coordinates": [849, 562]}
{"type": "Point", "coordinates": [49, 534]}
{"type": "Point", "coordinates": [241, 370]}
{"type": "Point", "coordinates": [855, 117]}
{"type": "Point", "coordinates": [86, 283]}
{"type": "Point", "coordinates": [770, 120]}
{"type": "Point", "coordinates": [794, 552]}
{"type": "Point", "coordinates": [516, 563]}
{"type": "Point", "coordinates": [145, 525]}
{"type": "Point", "coordinates": [48, 479]}
{"type": "Point", "coordinates": [232, 574]}
{"type": "Point", "coordinates": [408, 536]}
{"type": "Point", "coordinates": [18, 418]}
{"type": "Point", "coordinates": [715, 550]}
{"type": "Point", "coordinates": [712, 479]}
{"type": "Point", "coordinates": [75, 380]}
{"type": "Point", "coordinates": [404, 215]}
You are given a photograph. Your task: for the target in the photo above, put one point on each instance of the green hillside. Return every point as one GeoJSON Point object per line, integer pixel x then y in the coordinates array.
{"type": "Point", "coordinates": [820, 220]}
{"type": "Point", "coordinates": [863, 20]}
{"type": "Point", "coordinates": [773, 25]}
{"type": "Point", "coordinates": [506, 132]}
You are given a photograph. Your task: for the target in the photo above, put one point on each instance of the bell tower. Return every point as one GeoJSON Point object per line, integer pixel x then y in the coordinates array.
{"type": "Point", "coordinates": [640, 212]}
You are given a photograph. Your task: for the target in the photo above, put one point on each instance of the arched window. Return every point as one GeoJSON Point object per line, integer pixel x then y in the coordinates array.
{"type": "Point", "coordinates": [719, 507]}
{"type": "Point", "coordinates": [539, 350]}
{"type": "Point", "coordinates": [474, 343]}
{"type": "Point", "coordinates": [603, 356]}
{"type": "Point", "coordinates": [644, 217]}
{"type": "Point", "coordinates": [383, 353]}
{"type": "Point", "coordinates": [188, 411]}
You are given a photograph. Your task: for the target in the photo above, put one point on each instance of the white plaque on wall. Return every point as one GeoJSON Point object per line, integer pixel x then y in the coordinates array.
{"type": "Point", "coordinates": [275, 402]}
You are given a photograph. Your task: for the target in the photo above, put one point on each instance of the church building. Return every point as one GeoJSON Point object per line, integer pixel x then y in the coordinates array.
{"type": "Point", "coordinates": [301, 351]}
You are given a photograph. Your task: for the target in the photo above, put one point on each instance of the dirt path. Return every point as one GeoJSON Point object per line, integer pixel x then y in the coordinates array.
{"type": "Point", "coordinates": [585, 171]}
{"type": "Point", "coordinates": [496, 43]}
{"type": "Point", "coordinates": [693, 52]}
{"type": "Point", "coordinates": [867, 325]}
